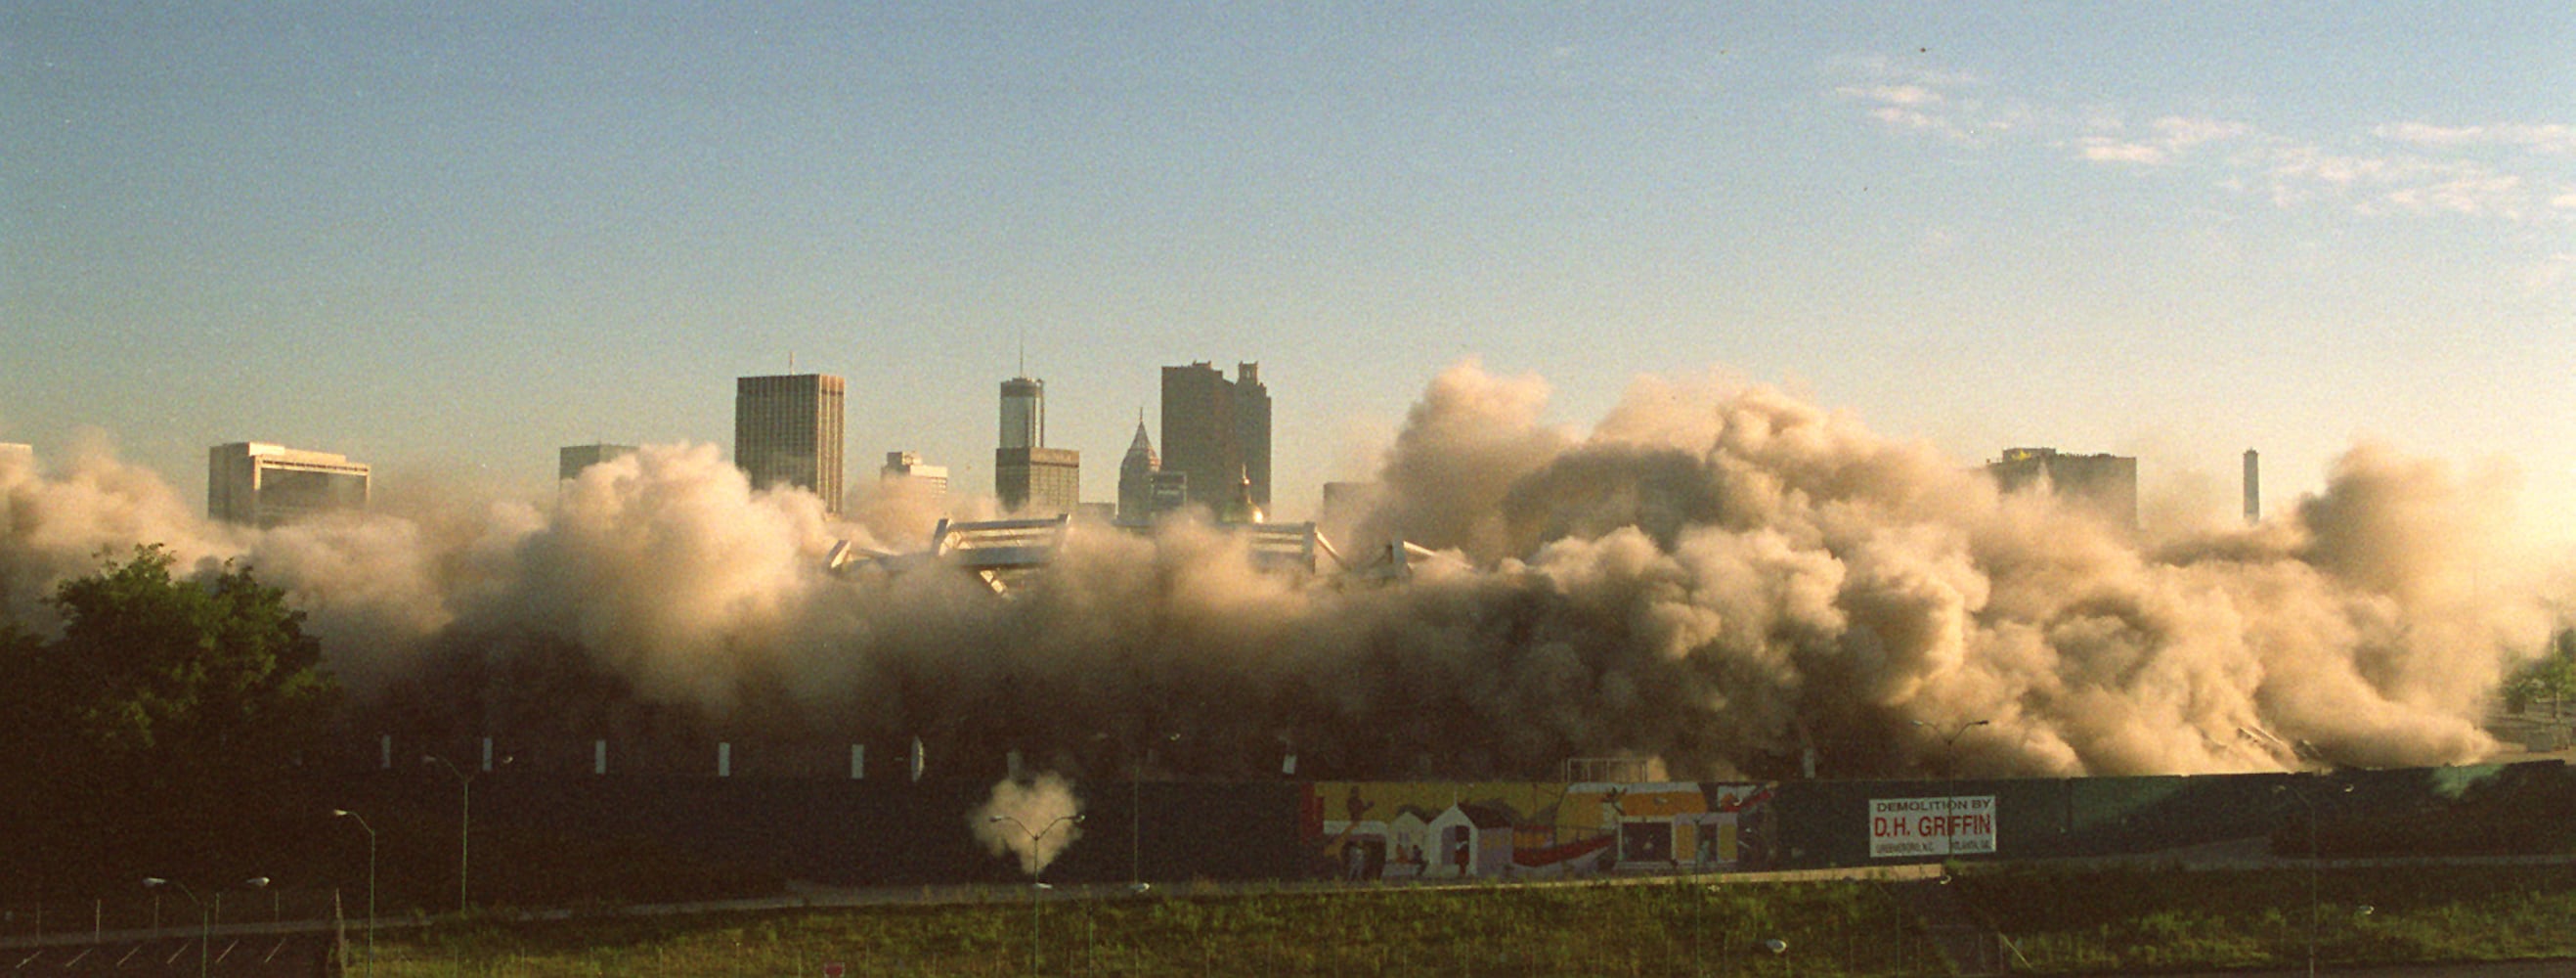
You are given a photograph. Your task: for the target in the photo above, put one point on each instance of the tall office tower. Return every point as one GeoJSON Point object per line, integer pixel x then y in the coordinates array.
{"type": "Point", "coordinates": [1023, 413]}
{"type": "Point", "coordinates": [1038, 481]}
{"type": "Point", "coordinates": [1028, 476]}
{"type": "Point", "coordinates": [1217, 432]}
{"type": "Point", "coordinates": [571, 459]}
{"type": "Point", "coordinates": [1136, 478]}
{"type": "Point", "coordinates": [907, 467]}
{"type": "Point", "coordinates": [2105, 485]}
{"type": "Point", "coordinates": [2253, 487]}
{"type": "Point", "coordinates": [787, 431]}
{"type": "Point", "coordinates": [260, 484]}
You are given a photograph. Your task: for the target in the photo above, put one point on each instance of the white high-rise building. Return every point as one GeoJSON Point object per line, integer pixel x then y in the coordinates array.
{"type": "Point", "coordinates": [261, 484]}
{"type": "Point", "coordinates": [907, 467]}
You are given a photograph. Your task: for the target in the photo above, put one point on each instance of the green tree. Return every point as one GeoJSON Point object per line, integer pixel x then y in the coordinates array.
{"type": "Point", "coordinates": [166, 723]}
{"type": "Point", "coordinates": [2552, 676]}
{"type": "Point", "coordinates": [217, 670]}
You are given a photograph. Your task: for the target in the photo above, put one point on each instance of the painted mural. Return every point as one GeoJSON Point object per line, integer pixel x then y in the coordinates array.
{"type": "Point", "coordinates": [1449, 830]}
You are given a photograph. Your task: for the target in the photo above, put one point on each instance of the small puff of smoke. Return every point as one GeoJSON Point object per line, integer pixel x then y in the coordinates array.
{"type": "Point", "coordinates": [1033, 819]}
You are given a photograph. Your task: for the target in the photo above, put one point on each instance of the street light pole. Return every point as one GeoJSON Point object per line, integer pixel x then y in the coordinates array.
{"type": "Point", "coordinates": [1135, 812]}
{"type": "Point", "coordinates": [1034, 884]}
{"type": "Point", "coordinates": [2314, 870]}
{"type": "Point", "coordinates": [1949, 739]}
{"type": "Point", "coordinates": [371, 882]}
{"type": "Point", "coordinates": [464, 822]}
{"type": "Point", "coordinates": [205, 925]}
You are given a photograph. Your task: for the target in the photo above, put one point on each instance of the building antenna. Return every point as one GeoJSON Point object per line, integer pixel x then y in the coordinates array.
{"type": "Point", "coordinates": [791, 361]}
{"type": "Point", "coordinates": [1024, 350]}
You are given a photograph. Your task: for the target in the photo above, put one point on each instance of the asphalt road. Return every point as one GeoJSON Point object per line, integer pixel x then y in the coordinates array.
{"type": "Point", "coordinates": [2502, 969]}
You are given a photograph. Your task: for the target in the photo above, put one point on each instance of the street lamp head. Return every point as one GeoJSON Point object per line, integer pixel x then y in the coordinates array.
{"type": "Point", "coordinates": [1980, 723]}
{"type": "Point", "coordinates": [999, 818]}
{"type": "Point", "coordinates": [256, 882]}
{"type": "Point", "coordinates": [339, 813]}
{"type": "Point", "coordinates": [152, 881]}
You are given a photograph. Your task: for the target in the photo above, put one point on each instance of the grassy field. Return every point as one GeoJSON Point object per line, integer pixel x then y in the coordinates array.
{"type": "Point", "coordinates": [2061, 921]}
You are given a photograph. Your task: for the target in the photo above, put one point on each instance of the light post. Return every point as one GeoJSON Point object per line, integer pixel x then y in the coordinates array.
{"type": "Point", "coordinates": [464, 822]}
{"type": "Point", "coordinates": [371, 881]}
{"type": "Point", "coordinates": [205, 925]}
{"type": "Point", "coordinates": [1035, 886]}
{"type": "Point", "coordinates": [2314, 868]}
{"type": "Point", "coordinates": [1949, 739]}
{"type": "Point", "coordinates": [1135, 814]}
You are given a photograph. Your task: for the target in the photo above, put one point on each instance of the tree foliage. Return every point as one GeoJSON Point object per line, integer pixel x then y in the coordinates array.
{"type": "Point", "coordinates": [163, 726]}
{"type": "Point", "coordinates": [2550, 677]}
{"type": "Point", "coordinates": [217, 670]}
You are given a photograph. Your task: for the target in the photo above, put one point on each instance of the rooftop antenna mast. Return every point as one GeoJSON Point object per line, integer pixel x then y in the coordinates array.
{"type": "Point", "coordinates": [1024, 351]}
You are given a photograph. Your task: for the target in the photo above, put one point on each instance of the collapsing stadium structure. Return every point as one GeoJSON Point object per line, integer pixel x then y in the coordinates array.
{"type": "Point", "coordinates": [1006, 553]}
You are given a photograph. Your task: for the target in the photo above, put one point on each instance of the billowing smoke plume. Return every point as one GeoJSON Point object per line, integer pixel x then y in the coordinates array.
{"type": "Point", "coordinates": [1725, 580]}
{"type": "Point", "coordinates": [1034, 820]}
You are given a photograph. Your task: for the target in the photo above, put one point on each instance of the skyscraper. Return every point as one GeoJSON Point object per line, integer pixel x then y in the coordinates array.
{"type": "Point", "coordinates": [908, 467]}
{"type": "Point", "coordinates": [1029, 477]}
{"type": "Point", "coordinates": [1038, 481]}
{"type": "Point", "coordinates": [264, 485]}
{"type": "Point", "coordinates": [571, 459]}
{"type": "Point", "coordinates": [787, 431]}
{"type": "Point", "coordinates": [2104, 485]}
{"type": "Point", "coordinates": [1136, 478]}
{"type": "Point", "coordinates": [1023, 413]}
{"type": "Point", "coordinates": [2253, 487]}
{"type": "Point", "coordinates": [1216, 432]}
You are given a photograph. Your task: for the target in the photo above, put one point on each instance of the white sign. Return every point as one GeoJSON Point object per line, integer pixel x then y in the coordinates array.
{"type": "Point", "coordinates": [1902, 827]}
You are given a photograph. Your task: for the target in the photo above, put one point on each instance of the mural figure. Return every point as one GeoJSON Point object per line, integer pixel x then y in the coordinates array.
{"type": "Point", "coordinates": [1441, 830]}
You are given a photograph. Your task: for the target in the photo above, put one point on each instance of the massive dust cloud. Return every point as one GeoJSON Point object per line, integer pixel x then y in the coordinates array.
{"type": "Point", "coordinates": [1723, 581]}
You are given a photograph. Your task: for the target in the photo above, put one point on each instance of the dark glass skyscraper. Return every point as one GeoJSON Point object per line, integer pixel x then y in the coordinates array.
{"type": "Point", "coordinates": [787, 431]}
{"type": "Point", "coordinates": [1217, 432]}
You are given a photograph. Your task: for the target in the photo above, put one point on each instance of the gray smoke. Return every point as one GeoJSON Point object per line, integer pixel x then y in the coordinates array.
{"type": "Point", "coordinates": [1715, 578]}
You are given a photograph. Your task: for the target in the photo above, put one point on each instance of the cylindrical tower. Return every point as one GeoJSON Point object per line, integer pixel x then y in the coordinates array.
{"type": "Point", "coordinates": [2253, 487]}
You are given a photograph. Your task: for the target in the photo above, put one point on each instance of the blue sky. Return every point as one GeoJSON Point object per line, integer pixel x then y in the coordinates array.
{"type": "Point", "coordinates": [423, 235]}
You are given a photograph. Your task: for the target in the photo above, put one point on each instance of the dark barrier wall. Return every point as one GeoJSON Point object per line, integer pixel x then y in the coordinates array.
{"type": "Point", "coordinates": [872, 833]}
{"type": "Point", "coordinates": [891, 831]}
{"type": "Point", "coordinates": [1828, 823]}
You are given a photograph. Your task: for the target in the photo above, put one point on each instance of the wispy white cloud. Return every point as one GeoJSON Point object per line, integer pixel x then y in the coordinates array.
{"type": "Point", "coordinates": [2183, 132]}
{"type": "Point", "coordinates": [2105, 150]}
{"type": "Point", "coordinates": [2406, 183]}
{"type": "Point", "coordinates": [1894, 94]}
{"type": "Point", "coordinates": [1922, 99]}
{"type": "Point", "coordinates": [2551, 138]}
{"type": "Point", "coordinates": [2167, 139]}
{"type": "Point", "coordinates": [2511, 172]}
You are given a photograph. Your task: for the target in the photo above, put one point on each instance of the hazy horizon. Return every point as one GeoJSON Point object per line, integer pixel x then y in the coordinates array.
{"type": "Point", "coordinates": [447, 242]}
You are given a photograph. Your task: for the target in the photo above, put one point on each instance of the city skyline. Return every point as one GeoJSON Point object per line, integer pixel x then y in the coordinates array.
{"type": "Point", "coordinates": [2172, 233]}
